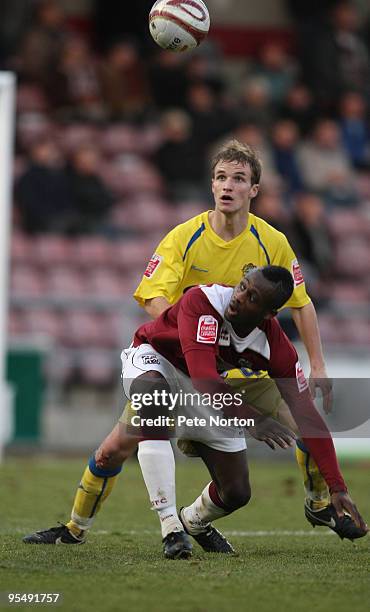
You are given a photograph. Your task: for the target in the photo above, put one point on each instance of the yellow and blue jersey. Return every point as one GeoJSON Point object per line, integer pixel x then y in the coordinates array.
{"type": "Point", "coordinates": [193, 254]}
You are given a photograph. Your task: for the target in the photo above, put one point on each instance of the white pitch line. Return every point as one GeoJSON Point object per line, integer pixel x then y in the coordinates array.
{"type": "Point", "coordinates": [235, 533]}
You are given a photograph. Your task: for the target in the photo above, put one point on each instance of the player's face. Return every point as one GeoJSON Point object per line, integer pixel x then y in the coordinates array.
{"type": "Point", "coordinates": [232, 188]}
{"type": "Point", "coordinates": [250, 302]}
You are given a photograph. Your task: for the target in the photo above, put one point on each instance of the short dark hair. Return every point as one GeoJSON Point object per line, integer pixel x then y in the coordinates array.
{"type": "Point", "coordinates": [283, 281]}
{"type": "Point", "coordinates": [235, 151]}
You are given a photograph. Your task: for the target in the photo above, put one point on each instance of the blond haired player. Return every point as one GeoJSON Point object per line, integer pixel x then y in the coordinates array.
{"type": "Point", "coordinates": [215, 246]}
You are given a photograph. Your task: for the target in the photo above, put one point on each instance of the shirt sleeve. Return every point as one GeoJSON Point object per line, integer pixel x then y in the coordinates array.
{"type": "Point", "coordinates": [286, 257]}
{"type": "Point", "coordinates": [164, 271]}
{"type": "Point", "coordinates": [199, 324]}
{"type": "Point", "coordinates": [199, 327]}
{"type": "Point", "coordinates": [292, 384]}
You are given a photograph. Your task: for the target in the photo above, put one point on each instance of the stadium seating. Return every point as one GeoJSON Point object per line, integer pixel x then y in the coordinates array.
{"type": "Point", "coordinates": [27, 282]}
{"type": "Point", "coordinates": [61, 367]}
{"type": "Point", "coordinates": [119, 139]}
{"type": "Point", "coordinates": [21, 248]}
{"type": "Point", "coordinates": [31, 127]}
{"type": "Point", "coordinates": [31, 98]}
{"type": "Point", "coordinates": [65, 283]}
{"type": "Point", "coordinates": [71, 137]}
{"type": "Point", "coordinates": [77, 290]}
{"type": "Point", "coordinates": [144, 215]}
{"type": "Point", "coordinates": [92, 251]}
{"type": "Point", "coordinates": [44, 321]}
{"type": "Point", "coordinates": [49, 251]}
{"type": "Point", "coordinates": [98, 368]}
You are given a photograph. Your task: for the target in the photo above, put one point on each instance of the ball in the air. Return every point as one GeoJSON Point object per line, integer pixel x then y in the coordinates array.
{"type": "Point", "coordinates": [179, 25]}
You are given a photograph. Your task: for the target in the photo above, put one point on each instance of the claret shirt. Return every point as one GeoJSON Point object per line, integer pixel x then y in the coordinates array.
{"type": "Point", "coordinates": [193, 333]}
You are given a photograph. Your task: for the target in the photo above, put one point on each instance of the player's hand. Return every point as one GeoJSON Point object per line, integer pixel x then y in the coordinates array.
{"type": "Point", "coordinates": [270, 431]}
{"type": "Point", "coordinates": [319, 379]}
{"type": "Point", "coordinates": [343, 503]}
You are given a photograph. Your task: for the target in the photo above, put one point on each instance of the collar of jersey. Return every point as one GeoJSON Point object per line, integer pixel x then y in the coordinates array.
{"type": "Point", "coordinates": [226, 244]}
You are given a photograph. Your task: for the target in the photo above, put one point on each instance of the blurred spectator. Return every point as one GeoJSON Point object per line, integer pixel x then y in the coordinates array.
{"type": "Point", "coordinates": [124, 84]}
{"type": "Point", "coordinates": [254, 136]}
{"type": "Point", "coordinates": [269, 206]}
{"type": "Point", "coordinates": [74, 88]}
{"type": "Point", "coordinates": [40, 49]}
{"type": "Point", "coordinates": [276, 69]}
{"type": "Point", "coordinates": [355, 128]}
{"type": "Point", "coordinates": [341, 58]}
{"type": "Point", "coordinates": [112, 20]}
{"type": "Point", "coordinates": [169, 80]}
{"type": "Point", "coordinates": [255, 103]}
{"type": "Point", "coordinates": [310, 21]}
{"type": "Point", "coordinates": [181, 158]}
{"type": "Point", "coordinates": [285, 139]}
{"type": "Point", "coordinates": [91, 198]}
{"type": "Point", "coordinates": [310, 237]}
{"type": "Point", "coordinates": [206, 65]}
{"type": "Point", "coordinates": [299, 106]}
{"type": "Point", "coordinates": [315, 10]}
{"type": "Point", "coordinates": [14, 19]}
{"type": "Point", "coordinates": [43, 192]}
{"type": "Point", "coordinates": [325, 165]}
{"type": "Point", "coordinates": [210, 120]}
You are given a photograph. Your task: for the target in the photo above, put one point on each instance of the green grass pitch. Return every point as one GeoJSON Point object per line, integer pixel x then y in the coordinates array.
{"type": "Point", "coordinates": [288, 566]}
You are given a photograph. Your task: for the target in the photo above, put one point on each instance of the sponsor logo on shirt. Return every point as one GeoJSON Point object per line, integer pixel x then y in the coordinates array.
{"type": "Point", "coordinates": [224, 339]}
{"type": "Point", "coordinates": [301, 379]}
{"type": "Point", "coordinates": [207, 329]}
{"type": "Point", "coordinates": [153, 264]}
{"type": "Point", "coordinates": [297, 273]}
{"type": "Point", "coordinates": [150, 359]}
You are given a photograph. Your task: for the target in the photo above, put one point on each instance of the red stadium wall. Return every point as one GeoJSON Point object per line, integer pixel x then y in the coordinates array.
{"type": "Point", "coordinates": [246, 41]}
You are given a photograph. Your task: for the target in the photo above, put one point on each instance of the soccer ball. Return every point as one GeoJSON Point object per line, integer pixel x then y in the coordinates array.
{"type": "Point", "coordinates": [179, 25]}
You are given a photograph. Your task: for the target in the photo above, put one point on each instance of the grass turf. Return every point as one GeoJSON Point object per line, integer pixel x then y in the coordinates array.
{"type": "Point", "coordinates": [121, 567]}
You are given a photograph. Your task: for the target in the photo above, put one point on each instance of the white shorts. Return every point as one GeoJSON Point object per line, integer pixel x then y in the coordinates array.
{"type": "Point", "coordinates": [226, 438]}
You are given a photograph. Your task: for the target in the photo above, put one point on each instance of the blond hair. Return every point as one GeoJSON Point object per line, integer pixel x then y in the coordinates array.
{"type": "Point", "coordinates": [235, 151]}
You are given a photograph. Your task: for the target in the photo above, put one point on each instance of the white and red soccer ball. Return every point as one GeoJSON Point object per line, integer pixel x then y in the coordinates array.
{"type": "Point", "coordinates": [179, 25]}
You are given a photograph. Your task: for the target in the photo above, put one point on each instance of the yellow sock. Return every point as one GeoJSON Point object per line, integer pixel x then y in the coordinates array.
{"type": "Point", "coordinates": [317, 492]}
{"type": "Point", "coordinates": [95, 486]}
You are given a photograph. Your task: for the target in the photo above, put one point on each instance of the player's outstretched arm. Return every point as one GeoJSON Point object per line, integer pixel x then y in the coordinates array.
{"type": "Point", "coordinates": [270, 431]}
{"type": "Point", "coordinates": [343, 503]}
{"type": "Point", "coordinates": [305, 319]}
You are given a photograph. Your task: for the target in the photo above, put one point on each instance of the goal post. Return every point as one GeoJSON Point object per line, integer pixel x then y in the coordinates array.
{"type": "Point", "coordinates": [7, 115]}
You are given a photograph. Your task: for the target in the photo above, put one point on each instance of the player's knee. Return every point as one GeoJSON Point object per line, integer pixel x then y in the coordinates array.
{"type": "Point", "coordinates": [156, 390]}
{"type": "Point", "coordinates": [115, 449]}
{"type": "Point", "coordinates": [236, 495]}
{"type": "Point", "coordinates": [111, 458]}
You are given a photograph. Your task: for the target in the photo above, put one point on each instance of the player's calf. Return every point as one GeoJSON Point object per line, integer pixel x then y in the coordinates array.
{"type": "Point", "coordinates": [235, 495]}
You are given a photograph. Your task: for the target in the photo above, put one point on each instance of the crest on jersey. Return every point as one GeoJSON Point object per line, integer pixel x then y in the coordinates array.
{"type": "Point", "coordinates": [153, 265]}
{"type": "Point", "coordinates": [297, 273]}
{"type": "Point", "coordinates": [301, 379]}
{"type": "Point", "coordinates": [247, 267]}
{"type": "Point", "coordinates": [224, 339]}
{"type": "Point", "coordinates": [207, 329]}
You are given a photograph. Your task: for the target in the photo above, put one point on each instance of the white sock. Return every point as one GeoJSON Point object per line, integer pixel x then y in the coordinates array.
{"type": "Point", "coordinates": [201, 512]}
{"type": "Point", "coordinates": [157, 464]}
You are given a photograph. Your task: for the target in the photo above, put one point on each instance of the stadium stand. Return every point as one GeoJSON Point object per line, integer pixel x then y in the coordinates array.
{"type": "Point", "coordinates": [76, 289]}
